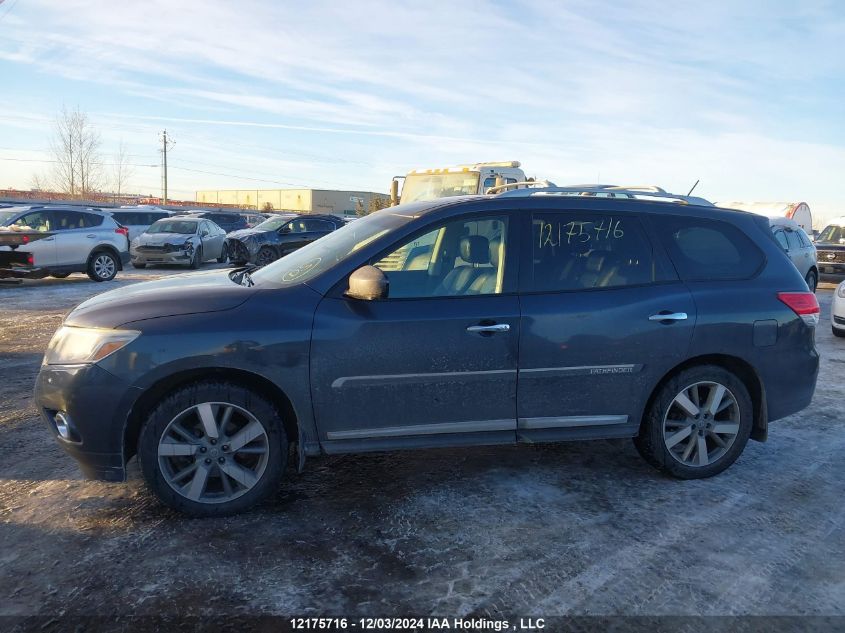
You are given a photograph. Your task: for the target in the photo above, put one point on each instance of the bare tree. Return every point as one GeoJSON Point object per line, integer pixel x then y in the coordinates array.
{"type": "Point", "coordinates": [77, 168]}
{"type": "Point", "coordinates": [122, 171]}
{"type": "Point", "coordinates": [39, 183]}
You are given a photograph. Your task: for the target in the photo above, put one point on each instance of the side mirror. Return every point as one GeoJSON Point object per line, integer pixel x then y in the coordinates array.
{"type": "Point", "coordinates": [204, 234]}
{"type": "Point", "coordinates": [368, 283]}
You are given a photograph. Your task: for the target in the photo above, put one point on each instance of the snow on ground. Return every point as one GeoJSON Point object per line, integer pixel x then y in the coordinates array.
{"type": "Point", "coordinates": [579, 528]}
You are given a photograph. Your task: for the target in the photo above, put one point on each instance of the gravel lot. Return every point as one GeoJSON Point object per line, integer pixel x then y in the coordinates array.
{"type": "Point", "coordinates": [581, 528]}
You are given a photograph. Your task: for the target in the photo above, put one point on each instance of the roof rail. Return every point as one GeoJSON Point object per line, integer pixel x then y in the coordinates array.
{"type": "Point", "coordinates": [544, 184]}
{"type": "Point", "coordinates": [615, 191]}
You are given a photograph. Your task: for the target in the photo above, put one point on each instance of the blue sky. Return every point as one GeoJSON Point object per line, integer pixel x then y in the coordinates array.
{"type": "Point", "coordinates": [747, 96]}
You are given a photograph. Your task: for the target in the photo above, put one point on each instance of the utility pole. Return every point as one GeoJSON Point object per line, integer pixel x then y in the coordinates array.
{"type": "Point", "coordinates": [164, 146]}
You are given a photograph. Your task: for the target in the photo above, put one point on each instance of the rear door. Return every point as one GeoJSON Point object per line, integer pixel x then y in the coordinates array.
{"type": "Point", "coordinates": [604, 317]}
{"type": "Point", "coordinates": [798, 253]}
{"type": "Point", "coordinates": [77, 235]}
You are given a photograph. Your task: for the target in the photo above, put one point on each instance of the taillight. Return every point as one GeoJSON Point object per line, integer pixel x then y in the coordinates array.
{"type": "Point", "coordinates": [804, 304]}
{"type": "Point", "coordinates": [122, 230]}
{"type": "Point", "coordinates": [25, 239]}
{"type": "Point", "coordinates": [30, 259]}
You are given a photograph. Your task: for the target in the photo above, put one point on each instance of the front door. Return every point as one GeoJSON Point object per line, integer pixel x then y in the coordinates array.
{"type": "Point", "coordinates": [43, 251]}
{"type": "Point", "coordinates": [602, 321]}
{"type": "Point", "coordinates": [436, 362]}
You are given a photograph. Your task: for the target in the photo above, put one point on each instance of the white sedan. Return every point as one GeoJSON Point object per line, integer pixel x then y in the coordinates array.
{"type": "Point", "coordinates": [837, 311]}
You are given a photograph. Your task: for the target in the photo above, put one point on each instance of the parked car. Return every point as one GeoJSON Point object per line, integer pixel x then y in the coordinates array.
{"type": "Point", "coordinates": [180, 239]}
{"type": "Point", "coordinates": [830, 245]}
{"type": "Point", "coordinates": [81, 240]}
{"type": "Point", "coordinates": [524, 317]}
{"type": "Point", "coordinates": [837, 311]}
{"type": "Point", "coordinates": [799, 247]}
{"type": "Point", "coordinates": [278, 236]}
{"type": "Point", "coordinates": [227, 220]}
{"type": "Point", "coordinates": [138, 220]}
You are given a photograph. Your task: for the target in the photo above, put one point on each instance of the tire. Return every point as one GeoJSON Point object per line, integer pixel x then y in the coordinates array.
{"type": "Point", "coordinates": [224, 255]}
{"type": "Point", "coordinates": [138, 265]}
{"type": "Point", "coordinates": [209, 489]}
{"type": "Point", "coordinates": [59, 275]}
{"type": "Point", "coordinates": [683, 458]}
{"type": "Point", "coordinates": [838, 333]}
{"type": "Point", "coordinates": [265, 256]}
{"type": "Point", "coordinates": [196, 260]}
{"type": "Point", "coordinates": [102, 266]}
{"type": "Point", "coordinates": [812, 280]}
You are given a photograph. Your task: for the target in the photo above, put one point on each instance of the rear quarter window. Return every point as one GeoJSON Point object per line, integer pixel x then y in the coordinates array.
{"type": "Point", "coordinates": [704, 250]}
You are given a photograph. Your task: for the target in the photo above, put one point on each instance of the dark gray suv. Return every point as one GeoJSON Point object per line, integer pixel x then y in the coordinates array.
{"type": "Point", "coordinates": [531, 316]}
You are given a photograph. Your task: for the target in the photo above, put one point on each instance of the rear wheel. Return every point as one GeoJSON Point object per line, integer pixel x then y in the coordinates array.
{"type": "Point", "coordinates": [213, 448]}
{"type": "Point", "coordinates": [698, 424]}
{"type": "Point", "coordinates": [265, 256]}
{"type": "Point", "coordinates": [224, 255]}
{"type": "Point", "coordinates": [812, 280]}
{"type": "Point", "coordinates": [102, 266]}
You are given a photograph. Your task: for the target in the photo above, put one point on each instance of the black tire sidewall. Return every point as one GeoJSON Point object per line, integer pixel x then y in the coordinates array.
{"type": "Point", "coordinates": [270, 260]}
{"type": "Point", "coordinates": [650, 442]}
{"type": "Point", "coordinates": [91, 272]}
{"type": "Point", "coordinates": [815, 279]}
{"type": "Point", "coordinates": [196, 260]}
{"type": "Point", "coordinates": [212, 391]}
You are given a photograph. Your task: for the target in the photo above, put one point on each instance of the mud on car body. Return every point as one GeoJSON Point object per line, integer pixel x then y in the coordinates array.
{"type": "Point", "coordinates": [467, 321]}
{"type": "Point", "coordinates": [278, 236]}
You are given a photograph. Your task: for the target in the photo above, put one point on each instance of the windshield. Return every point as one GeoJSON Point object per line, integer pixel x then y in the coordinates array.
{"type": "Point", "coordinates": [432, 186]}
{"type": "Point", "coordinates": [832, 233]}
{"type": "Point", "coordinates": [327, 252]}
{"type": "Point", "coordinates": [185, 227]}
{"type": "Point", "coordinates": [274, 223]}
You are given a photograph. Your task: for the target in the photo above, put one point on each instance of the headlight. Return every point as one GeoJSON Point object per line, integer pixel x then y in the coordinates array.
{"type": "Point", "coordinates": [840, 291]}
{"type": "Point", "coordinates": [81, 346]}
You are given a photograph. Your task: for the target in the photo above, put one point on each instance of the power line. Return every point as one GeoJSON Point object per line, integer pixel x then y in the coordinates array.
{"type": "Point", "coordinates": [46, 160]}
{"type": "Point", "coordinates": [9, 10]}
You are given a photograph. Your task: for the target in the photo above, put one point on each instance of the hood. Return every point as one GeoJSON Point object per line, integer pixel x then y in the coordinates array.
{"type": "Point", "coordinates": [829, 246]}
{"type": "Point", "coordinates": [244, 233]}
{"type": "Point", "coordinates": [157, 239]}
{"type": "Point", "coordinates": [190, 293]}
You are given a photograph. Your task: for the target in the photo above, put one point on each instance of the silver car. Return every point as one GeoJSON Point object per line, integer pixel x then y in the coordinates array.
{"type": "Point", "coordinates": [185, 240]}
{"type": "Point", "coordinates": [79, 240]}
{"type": "Point", "coordinates": [138, 220]}
{"type": "Point", "coordinates": [799, 247]}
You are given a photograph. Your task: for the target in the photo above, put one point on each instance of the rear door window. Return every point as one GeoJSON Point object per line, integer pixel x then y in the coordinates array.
{"type": "Point", "coordinates": [703, 249]}
{"type": "Point", "coordinates": [90, 220]}
{"type": "Point", "coordinates": [580, 251]}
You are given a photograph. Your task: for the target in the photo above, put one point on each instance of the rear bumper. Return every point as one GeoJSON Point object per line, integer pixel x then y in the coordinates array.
{"type": "Point", "coordinates": [96, 403]}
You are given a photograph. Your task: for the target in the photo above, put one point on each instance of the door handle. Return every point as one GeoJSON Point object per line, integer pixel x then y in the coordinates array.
{"type": "Point", "coordinates": [668, 316]}
{"type": "Point", "coordinates": [91, 236]}
{"type": "Point", "coordinates": [490, 329]}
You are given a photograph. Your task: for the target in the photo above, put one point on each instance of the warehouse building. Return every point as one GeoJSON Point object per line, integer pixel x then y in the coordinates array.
{"type": "Point", "coordinates": [344, 203]}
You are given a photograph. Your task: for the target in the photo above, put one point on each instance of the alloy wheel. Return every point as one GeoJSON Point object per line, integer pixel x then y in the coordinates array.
{"type": "Point", "coordinates": [701, 424]}
{"type": "Point", "coordinates": [104, 266]}
{"type": "Point", "coordinates": [213, 452]}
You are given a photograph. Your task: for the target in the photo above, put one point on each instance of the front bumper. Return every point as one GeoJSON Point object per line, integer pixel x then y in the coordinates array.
{"type": "Point", "coordinates": [831, 268]}
{"type": "Point", "coordinates": [162, 257]}
{"type": "Point", "coordinates": [97, 404]}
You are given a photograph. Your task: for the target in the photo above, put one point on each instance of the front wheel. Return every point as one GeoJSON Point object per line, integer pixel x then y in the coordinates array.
{"type": "Point", "coordinates": [196, 260]}
{"type": "Point", "coordinates": [265, 256]}
{"type": "Point", "coordinates": [698, 423]}
{"type": "Point", "coordinates": [224, 255]}
{"type": "Point", "coordinates": [213, 448]}
{"type": "Point", "coordinates": [812, 280]}
{"type": "Point", "coordinates": [59, 275]}
{"type": "Point", "coordinates": [102, 266]}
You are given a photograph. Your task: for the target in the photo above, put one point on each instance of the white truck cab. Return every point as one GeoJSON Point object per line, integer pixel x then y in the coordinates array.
{"type": "Point", "coordinates": [461, 180]}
